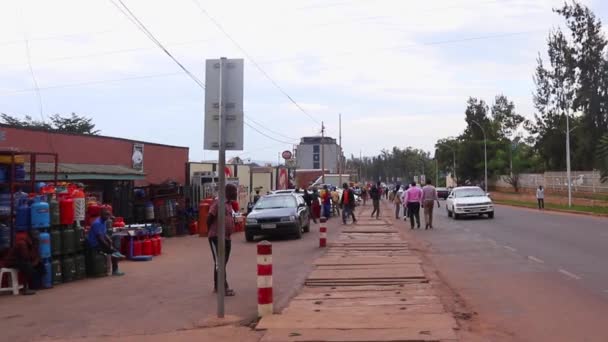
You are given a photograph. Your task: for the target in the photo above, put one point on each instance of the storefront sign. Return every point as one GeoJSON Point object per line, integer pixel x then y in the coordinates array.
{"type": "Point", "coordinates": [138, 156]}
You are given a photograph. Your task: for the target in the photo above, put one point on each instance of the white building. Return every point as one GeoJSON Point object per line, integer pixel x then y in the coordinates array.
{"type": "Point", "coordinates": [308, 153]}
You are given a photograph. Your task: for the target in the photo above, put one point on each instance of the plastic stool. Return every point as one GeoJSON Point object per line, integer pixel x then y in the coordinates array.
{"type": "Point", "coordinates": [14, 283]}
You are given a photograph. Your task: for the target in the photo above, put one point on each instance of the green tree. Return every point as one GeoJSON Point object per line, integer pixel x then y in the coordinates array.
{"type": "Point", "coordinates": [70, 124]}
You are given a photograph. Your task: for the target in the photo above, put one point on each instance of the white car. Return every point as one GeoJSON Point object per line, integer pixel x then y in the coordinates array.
{"type": "Point", "coordinates": [469, 200]}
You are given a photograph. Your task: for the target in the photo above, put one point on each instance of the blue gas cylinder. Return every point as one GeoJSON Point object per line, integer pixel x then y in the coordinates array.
{"type": "Point", "coordinates": [47, 278]}
{"type": "Point", "coordinates": [45, 245]}
{"type": "Point", "coordinates": [24, 216]}
{"type": "Point", "coordinates": [5, 237]}
{"type": "Point", "coordinates": [39, 186]}
{"type": "Point", "coordinates": [41, 217]}
{"type": "Point", "coordinates": [19, 172]}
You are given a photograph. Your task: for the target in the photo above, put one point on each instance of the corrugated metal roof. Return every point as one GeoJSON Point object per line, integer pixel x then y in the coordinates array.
{"type": "Point", "coordinates": [86, 171]}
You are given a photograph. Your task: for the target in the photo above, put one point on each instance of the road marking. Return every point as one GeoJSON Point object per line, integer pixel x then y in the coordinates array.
{"type": "Point", "coordinates": [535, 259]}
{"type": "Point", "coordinates": [511, 249]}
{"type": "Point", "coordinates": [571, 275]}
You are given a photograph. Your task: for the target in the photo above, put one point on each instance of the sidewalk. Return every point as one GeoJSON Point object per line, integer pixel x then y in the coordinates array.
{"type": "Point", "coordinates": [368, 286]}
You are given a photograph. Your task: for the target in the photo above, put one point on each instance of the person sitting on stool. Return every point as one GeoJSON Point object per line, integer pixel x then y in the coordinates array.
{"type": "Point", "coordinates": [98, 239]}
{"type": "Point", "coordinates": [25, 257]}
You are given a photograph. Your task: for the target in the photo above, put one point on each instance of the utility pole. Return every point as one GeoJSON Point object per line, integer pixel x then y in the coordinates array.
{"type": "Point", "coordinates": [436, 171]}
{"type": "Point", "coordinates": [568, 160]}
{"type": "Point", "coordinates": [322, 152]}
{"type": "Point", "coordinates": [340, 149]}
{"type": "Point", "coordinates": [485, 152]}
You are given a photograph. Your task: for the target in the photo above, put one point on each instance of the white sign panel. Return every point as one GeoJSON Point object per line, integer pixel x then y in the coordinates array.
{"type": "Point", "coordinates": [232, 100]}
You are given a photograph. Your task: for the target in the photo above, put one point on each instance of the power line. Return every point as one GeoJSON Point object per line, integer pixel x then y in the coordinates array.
{"type": "Point", "coordinates": [221, 28]}
{"type": "Point", "coordinates": [269, 130]}
{"type": "Point", "coordinates": [129, 14]}
{"type": "Point", "coordinates": [266, 135]}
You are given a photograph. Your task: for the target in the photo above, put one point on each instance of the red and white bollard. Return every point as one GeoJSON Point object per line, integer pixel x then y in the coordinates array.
{"type": "Point", "coordinates": [323, 233]}
{"type": "Point", "coordinates": [264, 278]}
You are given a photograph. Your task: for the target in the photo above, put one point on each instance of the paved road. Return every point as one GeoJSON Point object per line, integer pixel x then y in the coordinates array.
{"type": "Point", "coordinates": [172, 292]}
{"type": "Point", "coordinates": [532, 275]}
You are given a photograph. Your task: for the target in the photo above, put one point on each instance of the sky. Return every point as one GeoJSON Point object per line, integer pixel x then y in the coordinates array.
{"type": "Point", "coordinates": [398, 71]}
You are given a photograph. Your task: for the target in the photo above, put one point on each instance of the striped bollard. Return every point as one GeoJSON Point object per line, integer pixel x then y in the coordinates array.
{"type": "Point", "coordinates": [323, 233]}
{"type": "Point", "coordinates": [264, 278]}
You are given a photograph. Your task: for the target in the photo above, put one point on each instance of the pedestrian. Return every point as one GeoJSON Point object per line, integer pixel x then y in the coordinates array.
{"type": "Point", "coordinates": [25, 257]}
{"type": "Point", "coordinates": [429, 197]}
{"type": "Point", "coordinates": [98, 239]}
{"type": "Point", "coordinates": [540, 197]}
{"type": "Point", "coordinates": [256, 197]}
{"type": "Point", "coordinates": [347, 202]}
{"type": "Point", "coordinates": [376, 193]}
{"type": "Point", "coordinates": [397, 201]}
{"type": "Point", "coordinates": [335, 201]}
{"type": "Point", "coordinates": [364, 194]}
{"type": "Point", "coordinates": [231, 194]}
{"type": "Point", "coordinates": [403, 202]}
{"type": "Point", "coordinates": [307, 197]}
{"type": "Point", "coordinates": [316, 205]}
{"type": "Point", "coordinates": [413, 197]}
{"type": "Point", "coordinates": [326, 199]}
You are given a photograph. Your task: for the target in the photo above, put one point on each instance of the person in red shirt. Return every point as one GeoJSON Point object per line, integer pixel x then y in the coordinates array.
{"type": "Point", "coordinates": [25, 257]}
{"type": "Point", "coordinates": [231, 195]}
{"type": "Point", "coordinates": [348, 203]}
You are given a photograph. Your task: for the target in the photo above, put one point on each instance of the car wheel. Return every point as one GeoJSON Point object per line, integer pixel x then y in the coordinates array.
{"type": "Point", "coordinates": [307, 227]}
{"type": "Point", "coordinates": [249, 237]}
{"type": "Point", "coordinates": [491, 215]}
{"type": "Point", "coordinates": [456, 216]}
{"type": "Point", "coordinates": [298, 232]}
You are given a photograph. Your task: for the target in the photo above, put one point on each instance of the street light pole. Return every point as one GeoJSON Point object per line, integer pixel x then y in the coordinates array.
{"type": "Point", "coordinates": [485, 153]}
{"type": "Point", "coordinates": [568, 160]}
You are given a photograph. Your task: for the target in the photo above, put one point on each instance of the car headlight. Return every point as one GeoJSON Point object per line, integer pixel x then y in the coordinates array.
{"type": "Point", "coordinates": [252, 220]}
{"type": "Point", "coordinates": [288, 219]}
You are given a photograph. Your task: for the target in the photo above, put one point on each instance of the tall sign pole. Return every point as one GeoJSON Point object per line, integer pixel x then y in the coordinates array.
{"type": "Point", "coordinates": [223, 131]}
{"type": "Point", "coordinates": [221, 217]}
{"type": "Point", "coordinates": [322, 152]}
{"type": "Point", "coordinates": [340, 149]}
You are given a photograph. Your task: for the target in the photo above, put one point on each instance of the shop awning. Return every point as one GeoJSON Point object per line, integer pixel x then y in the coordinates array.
{"type": "Point", "coordinates": [67, 171]}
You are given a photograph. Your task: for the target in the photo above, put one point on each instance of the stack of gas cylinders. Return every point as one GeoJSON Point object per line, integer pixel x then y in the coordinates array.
{"type": "Point", "coordinates": [141, 241]}
{"type": "Point", "coordinates": [57, 214]}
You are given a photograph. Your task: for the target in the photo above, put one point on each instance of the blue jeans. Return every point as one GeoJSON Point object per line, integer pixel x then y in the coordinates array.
{"type": "Point", "coordinates": [348, 211]}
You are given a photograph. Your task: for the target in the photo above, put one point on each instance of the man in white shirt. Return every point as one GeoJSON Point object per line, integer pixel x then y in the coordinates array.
{"type": "Point", "coordinates": [540, 197]}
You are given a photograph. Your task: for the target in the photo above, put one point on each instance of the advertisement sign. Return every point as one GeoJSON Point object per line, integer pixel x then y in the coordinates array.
{"type": "Point", "coordinates": [283, 179]}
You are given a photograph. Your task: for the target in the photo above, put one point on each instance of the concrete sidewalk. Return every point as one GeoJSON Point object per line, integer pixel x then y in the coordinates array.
{"type": "Point", "coordinates": [368, 286]}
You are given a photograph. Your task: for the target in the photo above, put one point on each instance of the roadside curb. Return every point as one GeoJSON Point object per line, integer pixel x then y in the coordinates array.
{"type": "Point", "coordinates": [575, 212]}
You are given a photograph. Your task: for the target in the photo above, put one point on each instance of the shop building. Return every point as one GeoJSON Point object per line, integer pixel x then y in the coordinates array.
{"type": "Point", "coordinates": [311, 149]}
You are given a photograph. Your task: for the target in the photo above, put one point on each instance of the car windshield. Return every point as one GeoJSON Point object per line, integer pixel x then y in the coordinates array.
{"type": "Point", "coordinates": [275, 202]}
{"type": "Point", "coordinates": [474, 192]}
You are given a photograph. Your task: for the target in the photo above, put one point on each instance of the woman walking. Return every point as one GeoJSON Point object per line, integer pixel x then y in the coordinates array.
{"type": "Point", "coordinates": [540, 197]}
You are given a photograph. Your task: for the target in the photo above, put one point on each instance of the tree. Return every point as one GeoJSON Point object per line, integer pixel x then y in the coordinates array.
{"type": "Point", "coordinates": [72, 124]}
{"type": "Point", "coordinates": [504, 115]}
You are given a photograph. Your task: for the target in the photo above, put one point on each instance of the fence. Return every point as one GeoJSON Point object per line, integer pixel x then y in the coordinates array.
{"type": "Point", "coordinates": [557, 181]}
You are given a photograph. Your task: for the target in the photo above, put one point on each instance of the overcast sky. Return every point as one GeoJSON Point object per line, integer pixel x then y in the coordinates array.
{"type": "Point", "coordinates": [399, 71]}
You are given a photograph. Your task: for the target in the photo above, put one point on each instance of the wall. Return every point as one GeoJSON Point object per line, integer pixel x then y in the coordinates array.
{"type": "Point", "coordinates": [557, 181]}
{"type": "Point", "coordinates": [265, 180]}
{"type": "Point", "coordinates": [161, 162]}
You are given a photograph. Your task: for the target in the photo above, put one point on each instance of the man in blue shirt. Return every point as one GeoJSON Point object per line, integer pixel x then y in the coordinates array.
{"type": "Point", "coordinates": [98, 239]}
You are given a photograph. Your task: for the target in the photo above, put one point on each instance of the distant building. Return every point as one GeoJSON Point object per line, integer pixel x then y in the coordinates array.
{"type": "Point", "coordinates": [308, 153]}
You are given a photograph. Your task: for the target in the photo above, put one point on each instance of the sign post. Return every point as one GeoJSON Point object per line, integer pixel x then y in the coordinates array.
{"type": "Point", "coordinates": [223, 131]}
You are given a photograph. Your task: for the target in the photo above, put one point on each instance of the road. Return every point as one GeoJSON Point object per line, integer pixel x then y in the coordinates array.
{"type": "Point", "coordinates": [530, 275]}
{"type": "Point", "coordinates": [171, 293]}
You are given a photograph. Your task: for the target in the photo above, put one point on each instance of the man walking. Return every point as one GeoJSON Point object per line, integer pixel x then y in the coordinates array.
{"type": "Point", "coordinates": [347, 202]}
{"type": "Point", "coordinates": [413, 197]}
{"type": "Point", "coordinates": [429, 197]}
{"type": "Point", "coordinates": [375, 195]}
{"type": "Point", "coordinates": [397, 202]}
{"type": "Point", "coordinates": [540, 197]}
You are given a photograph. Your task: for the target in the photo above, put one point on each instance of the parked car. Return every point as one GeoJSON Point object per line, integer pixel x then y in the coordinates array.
{"type": "Point", "coordinates": [443, 193]}
{"type": "Point", "coordinates": [286, 191]}
{"type": "Point", "coordinates": [469, 200]}
{"type": "Point", "coordinates": [280, 214]}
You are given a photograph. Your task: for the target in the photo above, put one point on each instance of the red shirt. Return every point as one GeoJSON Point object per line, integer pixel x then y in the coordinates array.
{"type": "Point", "coordinates": [345, 195]}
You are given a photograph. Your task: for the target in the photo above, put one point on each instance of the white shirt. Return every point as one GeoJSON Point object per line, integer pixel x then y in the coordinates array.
{"type": "Point", "coordinates": [540, 194]}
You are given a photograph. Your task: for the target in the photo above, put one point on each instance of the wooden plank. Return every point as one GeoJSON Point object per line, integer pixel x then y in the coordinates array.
{"type": "Point", "coordinates": [408, 271]}
{"type": "Point", "coordinates": [364, 294]}
{"type": "Point", "coordinates": [359, 335]}
{"type": "Point", "coordinates": [378, 288]}
{"type": "Point", "coordinates": [351, 319]}
{"type": "Point", "coordinates": [369, 260]}
{"type": "Point", "coordinates": [363, 302]}
{"type": "Point", "coordinates": [389, 309]}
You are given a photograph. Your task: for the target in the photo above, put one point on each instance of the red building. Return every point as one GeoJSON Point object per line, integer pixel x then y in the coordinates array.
{"type": "Point", "coordinates": [95, 157]}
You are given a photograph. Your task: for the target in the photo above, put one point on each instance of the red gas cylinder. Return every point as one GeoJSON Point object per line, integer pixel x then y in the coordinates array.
{"type": "Point", "coordinates": [154, 246]}
{"type": "Point", "coordinates": [160, 245]}
{"type": "Point", "coordinates": [94, 209]}
{"type": "Point", "coordinates": [146, 248]}
{"type": "Point", "coordinates": [137, 246]}
{"type": "Point", "coordinates": [66, 210]}
{"type": "Point", "coordinates": [193, 227]}
{"type": "Point", "coordinates": [119, 222]}
{"type": "Point", "coordinates": [203, 212]}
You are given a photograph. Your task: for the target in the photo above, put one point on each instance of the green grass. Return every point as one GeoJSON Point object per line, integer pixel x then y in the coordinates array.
{"type": "Point", "coordinates": [580, 208]}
